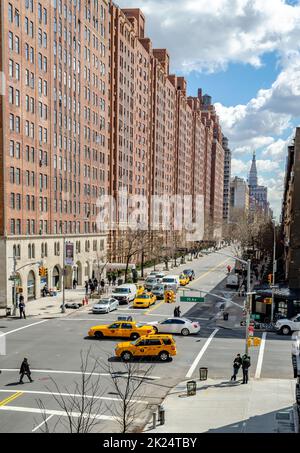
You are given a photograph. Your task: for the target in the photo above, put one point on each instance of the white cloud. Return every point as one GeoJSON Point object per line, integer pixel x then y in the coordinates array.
{"type": "Point", "coordinates": [266, 166]}
{"type": "Point", "coordinates": [238, 167]}
{"type": "Point", "coordinates": [206, 35]}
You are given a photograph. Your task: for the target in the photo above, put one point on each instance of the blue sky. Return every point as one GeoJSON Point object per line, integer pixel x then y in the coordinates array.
{"type": "Point", "coordinates": [246, 55]}
{"type": "Point", "coordinates": [238, 83]}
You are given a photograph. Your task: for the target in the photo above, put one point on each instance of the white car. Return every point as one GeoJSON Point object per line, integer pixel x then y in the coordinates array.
{"type": "Point", "coordinates": [181, 326]}
{"type": "Point", "coordinates": [171, 280]}
{"type": "Point", "coordinates": [125, 293]}
{"type": "Point", "coordinates": [287, 326]}
{"type": "Point", "coordinates": [106, 305]}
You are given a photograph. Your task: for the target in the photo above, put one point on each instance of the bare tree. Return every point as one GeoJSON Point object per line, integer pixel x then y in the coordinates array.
{"type": "Point", "coordinates": [129, 386]}
{"type": "Point", "coordinates": [81, 408]}
{"type": "Point", "coordinates": [134, 243]}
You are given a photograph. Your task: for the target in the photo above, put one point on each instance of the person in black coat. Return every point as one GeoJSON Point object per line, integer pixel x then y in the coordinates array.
{"type": "Point", "coordinates": [236, 366]}
{"type": "Point", "coordinates": [86, 285]}
{"type": "Point", "coordinates": [24, 369]}
{"type": "Point", "coordinates": [22, 307]}
{"type": "Point", "coordinates": [245, 366]}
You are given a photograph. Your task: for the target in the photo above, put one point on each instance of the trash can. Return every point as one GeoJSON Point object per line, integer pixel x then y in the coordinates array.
{"type": "Point", "coordinates": [8, 311]}
{"type": "Point", "coordinates": [191, 388]}
{"type": "Point", "coordinates": [225, 316]}
{"type": "Point", "coordinates": [203, 371]}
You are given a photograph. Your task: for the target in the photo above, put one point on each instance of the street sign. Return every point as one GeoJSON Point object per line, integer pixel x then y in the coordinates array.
{"type": "Point", "coordinates": [268, 301]}
{"type": "Point", "coordinates": [191, 299]}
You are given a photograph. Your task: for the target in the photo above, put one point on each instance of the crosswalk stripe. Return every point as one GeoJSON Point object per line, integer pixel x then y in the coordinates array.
{"type": "Point", "coordinates": [260, 356]}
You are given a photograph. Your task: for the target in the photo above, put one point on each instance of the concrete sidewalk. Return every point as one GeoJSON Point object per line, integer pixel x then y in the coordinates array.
{"type": "Point", "coordinates": [227, 407]}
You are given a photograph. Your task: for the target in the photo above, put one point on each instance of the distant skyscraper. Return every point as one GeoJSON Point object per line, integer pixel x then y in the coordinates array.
{"type": "Point", "coordinates": [253, 181]}
{"type": "Point", "coordinates": [258, 194]}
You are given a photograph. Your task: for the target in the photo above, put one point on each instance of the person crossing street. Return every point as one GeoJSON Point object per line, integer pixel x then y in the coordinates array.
{"type": "Point", "coordinates": [25, 370]}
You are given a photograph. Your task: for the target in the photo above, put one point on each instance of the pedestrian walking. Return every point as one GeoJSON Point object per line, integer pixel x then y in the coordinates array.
{"type": "Point", "coordinates": [22, 307]}
{"type": "Point", "coordinates": [109, 278]}
{"type": "Point", "coordinates": [74, 283]}
{"type": "Point", "coordinates": [86, 285]}
{"type": "Point", "coordinates": [228, 268]}
{"type": "Point", "coordinates": [25, 370]}
{"type": "Point", "coordinates": [92, 288]}
{"type": "Point", "coordinates": [102, 284]}
{"type": "Point", "coordinates": [178, 312]}
{"type": "Point", "coordinates": [114, 279]}
{"type": "Point", "coordinates": [175, 312]}
{"type": "Point", "coordinates": [236, 366]}
{"type": "Point", "coordinates": [245, 366]}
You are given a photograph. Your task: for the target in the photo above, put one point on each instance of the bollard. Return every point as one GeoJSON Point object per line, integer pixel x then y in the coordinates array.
{"type": "Point", "coordinates": [154, 419]}
{"type": "Point", "coordinates": [161, 415]}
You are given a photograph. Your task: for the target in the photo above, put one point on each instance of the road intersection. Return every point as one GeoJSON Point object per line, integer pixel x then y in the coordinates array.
{"type": "Point", "coordinates": [53, 347]}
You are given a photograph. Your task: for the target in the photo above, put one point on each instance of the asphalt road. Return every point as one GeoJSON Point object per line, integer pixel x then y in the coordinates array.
{"type": "Point", "coordinates": [53, 348]}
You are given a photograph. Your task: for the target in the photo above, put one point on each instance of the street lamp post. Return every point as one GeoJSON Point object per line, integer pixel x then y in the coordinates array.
{"type": "Point", "coordinates": [249, 294]}
{"type": "Point", "coordinates": [274, 271]}
{"type": "Point", "coordinates": [63, 308]}
{"type": "Point", "coordinates": [15, 270]}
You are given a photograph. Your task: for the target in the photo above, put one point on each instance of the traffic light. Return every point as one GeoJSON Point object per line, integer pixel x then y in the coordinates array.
{"type": "Point", "coordinates": [270, 279]}
{"type": "Point", "coordinates": [45, 271]}
{"type": "Point", "coordinates": [169, 296]}
{"type": "Point", "coordinates": [41, 269]}
{"type": "Point", "coordinates": [256, 341]}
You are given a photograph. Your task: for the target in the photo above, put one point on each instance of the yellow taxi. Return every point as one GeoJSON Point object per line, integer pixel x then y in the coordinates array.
{"type": "Point", "coordinates": [140, 289]}
{"type": "Point", "coordinates": [144, 300]}
{"type": "Point", "coordinates": [183, 280]}
{"type": "Point", "coordinates": [160, 346]}
{"type": "Point", "coordinates": [125, 329]}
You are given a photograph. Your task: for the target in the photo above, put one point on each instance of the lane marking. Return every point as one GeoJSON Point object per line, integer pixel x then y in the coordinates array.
{"type": "Point", "coordinates": [41, 424]}
{"type": "Point", "coordinates": [34, 410]}
{"type": "Point", "coordinates": [10, 398]}
{"type": "Point", "coordinates": [80, 373]}
{"type": "Point", "coordinates": [211, 270]}
{"type": "Point", "coordinates": [154, 307]}
{"type": "Point", "coordinates": [24, 327]}
{"type": "Point", "coordinates": [75, 395]}
{"type": "Point", "coordinates": [197, 359]}
{"type": "Point", "coordinates": [260, 356]}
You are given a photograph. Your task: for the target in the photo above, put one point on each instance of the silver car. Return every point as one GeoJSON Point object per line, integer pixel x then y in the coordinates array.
{"type": "Point", "coordinates": [106, 305]}
{"type": "Point", "coordinates": [150, 282]}
{"type": "Point", "coordinates": [158, 291]}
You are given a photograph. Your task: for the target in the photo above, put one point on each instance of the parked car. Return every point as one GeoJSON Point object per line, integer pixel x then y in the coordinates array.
{"type": "Point", "coordinates": [158, 291]}
{"type": "Point", "coordinates": [106, 305]}
{"type": "Point", "coordinates": [73, 305]}
{"type": "Point", "coordinates": [127, 329]}
{"type": "Point", "coordinates": [125, 293]}
{"type": "Point", "coordinates": [181, 326]}
{"type": "Point", "coordinates": [161, 346]}
{"type": "Point", "coordinates": [190, 273]}
{"type": "Point", "coordinates": [144, 300]}
{"type": "Point", "coordinates": [287, 326]}
{"type": "Point", "coordinates": [171, 280]}
{"type": "Point", "coordinates": [150, 282]}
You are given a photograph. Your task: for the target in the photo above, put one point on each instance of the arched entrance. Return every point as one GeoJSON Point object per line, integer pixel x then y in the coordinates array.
{"type": "Point", "coordinates": [87, 270]}
{"type": "Point", "coordinates": [31, 286]}
{"type": "Point", "coordinates": [56, 280]}
{"type": "Point", "coordinates": [78, 273]}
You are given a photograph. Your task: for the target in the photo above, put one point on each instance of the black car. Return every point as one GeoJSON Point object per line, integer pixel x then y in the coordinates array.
{"type": "Point", "coordinates": [190, 273]}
